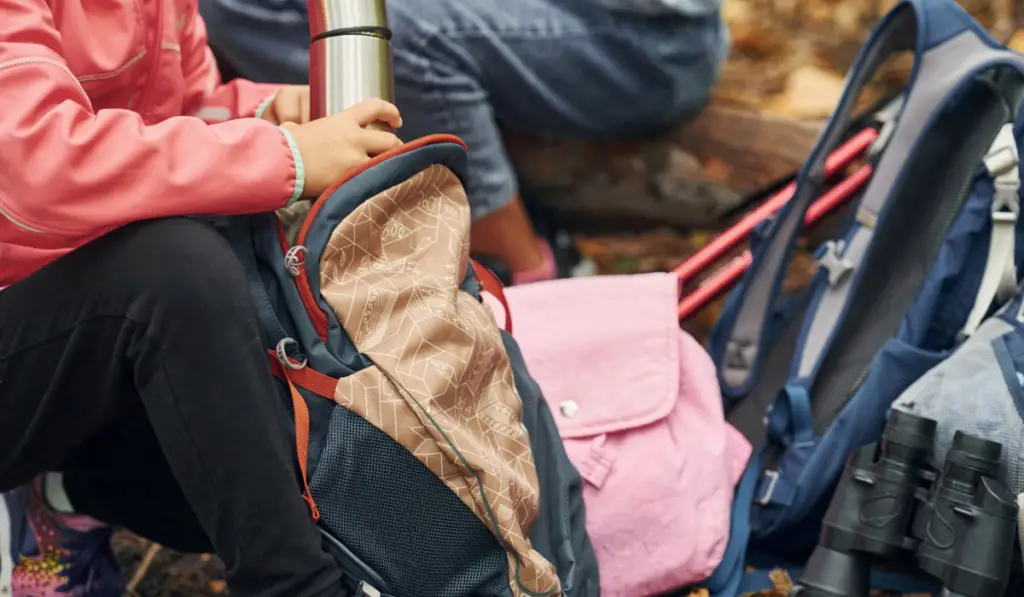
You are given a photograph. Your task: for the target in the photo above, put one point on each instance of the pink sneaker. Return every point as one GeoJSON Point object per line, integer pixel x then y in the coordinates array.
{"type": "Point", "coordinates": [44, 553]}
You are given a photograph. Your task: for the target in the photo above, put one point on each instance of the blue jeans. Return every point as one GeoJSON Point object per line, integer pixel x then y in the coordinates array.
{"type": "Point", "coordinates": [476, 67]}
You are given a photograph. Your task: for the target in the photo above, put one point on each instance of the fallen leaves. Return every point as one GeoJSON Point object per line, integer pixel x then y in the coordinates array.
{"type": "Point", "coordinates": [1017, 41]}
{"type": "Point", "coordinates": [810, 93]}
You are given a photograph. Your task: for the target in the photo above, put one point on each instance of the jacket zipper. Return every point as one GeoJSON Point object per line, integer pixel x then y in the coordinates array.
{"type": "Point", "coordinates": [143, 95]}
{"type": "Point", "coordinates": [155, 52]}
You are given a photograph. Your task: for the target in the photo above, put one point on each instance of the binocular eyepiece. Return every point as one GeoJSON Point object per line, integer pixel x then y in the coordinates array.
{"type": "Point", "coordinates": [957, 525]}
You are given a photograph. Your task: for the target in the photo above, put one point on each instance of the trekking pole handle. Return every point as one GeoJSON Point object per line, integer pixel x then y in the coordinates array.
{"type": "Point", "coordinates": [350, 56]}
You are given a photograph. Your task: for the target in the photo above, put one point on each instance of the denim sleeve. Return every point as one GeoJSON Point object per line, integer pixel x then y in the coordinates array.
{"type": "Point", "coordinates": [263, 40]}
{"type": "Point", "coordinates": [690, 8]}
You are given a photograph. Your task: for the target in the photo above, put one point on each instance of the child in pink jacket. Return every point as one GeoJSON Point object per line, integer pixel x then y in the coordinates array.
{"type": "Point", "coordinates": [134, 388]}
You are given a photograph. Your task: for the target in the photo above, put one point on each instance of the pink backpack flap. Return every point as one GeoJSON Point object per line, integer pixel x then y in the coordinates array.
{"type": "Point", "coordinates": [637, 404]}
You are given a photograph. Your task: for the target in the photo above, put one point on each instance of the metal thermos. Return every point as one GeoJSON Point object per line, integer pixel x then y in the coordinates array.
{"type": "Point", "coordinates": [349, 54]}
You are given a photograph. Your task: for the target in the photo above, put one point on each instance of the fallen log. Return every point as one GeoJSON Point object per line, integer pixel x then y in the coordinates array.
{"type": "Point", "coordinates": [685, 177]}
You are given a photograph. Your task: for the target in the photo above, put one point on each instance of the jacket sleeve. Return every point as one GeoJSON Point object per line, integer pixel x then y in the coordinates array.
{"type": "Point", "coordinates": [68, 171]}
{"type": "Point", "coordinates": [205, 95]}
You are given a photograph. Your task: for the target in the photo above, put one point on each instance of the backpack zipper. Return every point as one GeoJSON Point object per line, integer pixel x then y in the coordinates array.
{"type": "Point", "coordinates": [297, 271]}
{"type": "Point", "coordinates": [316, 313]}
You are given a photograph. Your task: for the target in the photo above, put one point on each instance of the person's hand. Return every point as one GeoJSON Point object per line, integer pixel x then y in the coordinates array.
{"type": "Point", "coordinates": [332, 146]}
{"type": "Point", "coordinates": [291, 104]}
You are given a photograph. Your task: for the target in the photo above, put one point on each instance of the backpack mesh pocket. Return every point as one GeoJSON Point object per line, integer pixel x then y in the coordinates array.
{"type": "Point", "coordinates": [978, 390]}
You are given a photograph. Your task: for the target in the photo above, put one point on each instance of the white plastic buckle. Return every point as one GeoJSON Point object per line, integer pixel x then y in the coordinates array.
{"type": "Point", "coordinates": [887, 118]}
{"type": "Point", "coordinates": [773, 479]}
{"type": "Point", "coordinates": [1007, 187]}
{"type": "Point", "coordinates": [1002, 158]}
{"type": "Point", "coordinates": [838, 268]}
{"type": "Point", "coordinates": [1003, 165]}
{"type": "Point", "coordinates": [884, 135]}
{"type": "Point", "coordinates": [366, 589]}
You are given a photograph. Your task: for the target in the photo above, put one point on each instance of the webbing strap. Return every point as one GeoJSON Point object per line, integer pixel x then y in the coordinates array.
{"type": "Point", "coordinates": [789, 421]}
{"type": "Point", "coordinates": [492, 285]}
{"type": "Point", "coordinates": [301, 413]}
{"type": "Point", "coordinates": [999, 281]}
{"type": "Point", "coordinates": [321, 385]}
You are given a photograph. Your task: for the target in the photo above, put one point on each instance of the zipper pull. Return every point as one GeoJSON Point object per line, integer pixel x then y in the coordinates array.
{"type": "Point", "coordinates": [294, 259]}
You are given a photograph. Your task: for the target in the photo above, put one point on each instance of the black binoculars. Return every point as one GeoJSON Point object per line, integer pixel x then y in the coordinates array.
{"type": "Point", "coordinates": [957, 525]}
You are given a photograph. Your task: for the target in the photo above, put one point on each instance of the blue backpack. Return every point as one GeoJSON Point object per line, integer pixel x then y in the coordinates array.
{"type": "Point", "coordinates": [930, 248]}
{"type": "Point", "coordinates": [416, 422]}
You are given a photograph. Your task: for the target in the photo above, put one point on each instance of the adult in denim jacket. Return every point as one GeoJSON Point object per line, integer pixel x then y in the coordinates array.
{"type": "Point", "coordinates": [468, 67]}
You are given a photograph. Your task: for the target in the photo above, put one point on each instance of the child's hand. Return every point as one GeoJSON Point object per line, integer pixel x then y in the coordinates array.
{"type": "Point", "coordinates": [332, 146]}
{"type": "Point", "coordinates": [291, 104]}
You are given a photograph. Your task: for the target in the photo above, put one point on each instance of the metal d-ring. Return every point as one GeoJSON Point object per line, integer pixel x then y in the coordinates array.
{"type": "Point", "coordinates": [282, 355]}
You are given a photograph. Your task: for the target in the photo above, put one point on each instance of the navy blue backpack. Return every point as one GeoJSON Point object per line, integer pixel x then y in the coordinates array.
{"type": "Point", "coordinates": [427, 454]}
{"type": "Point", "coordinates": [931, 247]}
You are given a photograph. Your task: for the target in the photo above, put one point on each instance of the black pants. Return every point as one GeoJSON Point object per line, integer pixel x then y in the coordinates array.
{"type": "Point", "coordinates": [135, 366]}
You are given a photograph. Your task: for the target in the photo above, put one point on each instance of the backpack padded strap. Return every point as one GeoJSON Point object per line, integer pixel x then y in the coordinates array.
{"type": "Point", "coordinates": [935, 29]}
{"type": "Point", "coordinates": [741, 353]}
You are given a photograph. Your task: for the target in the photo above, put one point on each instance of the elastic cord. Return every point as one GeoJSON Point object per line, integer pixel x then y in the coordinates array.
{"type": "Point", "coordinates": [369, 31]}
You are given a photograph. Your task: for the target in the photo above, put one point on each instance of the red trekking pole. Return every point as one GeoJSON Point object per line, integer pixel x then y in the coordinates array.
{"type": "Point", "coordinates": [724, 279]}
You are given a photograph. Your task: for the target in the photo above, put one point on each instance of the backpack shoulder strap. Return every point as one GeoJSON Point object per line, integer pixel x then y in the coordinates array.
{"type": "Point", "coordinates": [948, 47]}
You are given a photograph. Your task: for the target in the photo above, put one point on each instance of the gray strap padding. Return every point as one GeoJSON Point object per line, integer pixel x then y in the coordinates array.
{"type": "Point", "coordinates": [939, 71]}
{"type": "Point", "coordinates": [895, 34]}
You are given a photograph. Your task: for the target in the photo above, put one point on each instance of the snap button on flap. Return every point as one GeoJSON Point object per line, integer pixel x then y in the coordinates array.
{"type": "Point", "coordinates": [569, 408]}
{"type": "Point", "coordinates": [597, 464]}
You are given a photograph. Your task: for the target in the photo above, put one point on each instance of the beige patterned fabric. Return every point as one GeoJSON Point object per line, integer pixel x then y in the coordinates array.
{"type": "Point", "coordinates": [443, 386]}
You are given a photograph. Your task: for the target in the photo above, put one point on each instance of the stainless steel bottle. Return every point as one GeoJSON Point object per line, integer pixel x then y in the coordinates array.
{"type": "Point", "coordinates": [349, 54]}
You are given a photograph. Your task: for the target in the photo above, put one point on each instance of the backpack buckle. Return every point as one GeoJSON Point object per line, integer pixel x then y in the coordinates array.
{"type": "Point", "coordinates": [367, 590]}
{"type": "Point", "coordinates": [887, 118]}
{"type": "Point", "coordinates": [828, 257]}
{"type": "Point", "coordinates": [773, 479]}
{"type": "Point", "coordinates": [1003, 164]}
{"type": "Point", "coordinates": [1002, 157]}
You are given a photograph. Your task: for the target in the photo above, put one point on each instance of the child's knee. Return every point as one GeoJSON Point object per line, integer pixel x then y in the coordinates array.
{"type": "Point", "coordinates": [182, 266]}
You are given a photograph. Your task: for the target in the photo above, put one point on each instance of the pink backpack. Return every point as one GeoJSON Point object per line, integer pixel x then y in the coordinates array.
{"type": "Point", "coordinates": [637, 404]}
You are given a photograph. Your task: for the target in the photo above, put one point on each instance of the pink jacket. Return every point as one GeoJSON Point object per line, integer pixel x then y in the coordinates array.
{"type": "Point", "coordinates": [112, 111]}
